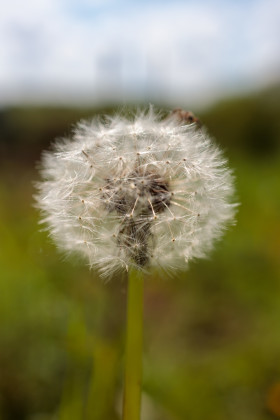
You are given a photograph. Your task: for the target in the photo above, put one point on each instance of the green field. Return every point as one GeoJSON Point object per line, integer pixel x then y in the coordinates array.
{"type": "Point", "coordinates": [212, 333]}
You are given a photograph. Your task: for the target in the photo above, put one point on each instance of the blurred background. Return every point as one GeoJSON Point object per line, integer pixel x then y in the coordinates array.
{"type": "Point", "coordinates": [212, 333]}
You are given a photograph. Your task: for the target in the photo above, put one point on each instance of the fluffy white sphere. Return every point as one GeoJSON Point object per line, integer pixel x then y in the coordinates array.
{"type": "Point", "coordinates": [142, 192]}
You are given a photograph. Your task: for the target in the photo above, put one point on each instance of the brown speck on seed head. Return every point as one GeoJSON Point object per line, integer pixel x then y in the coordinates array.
{"type": "Point", "coordinates": [186, 117]}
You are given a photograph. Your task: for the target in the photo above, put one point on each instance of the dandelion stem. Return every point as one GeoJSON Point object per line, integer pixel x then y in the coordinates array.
{"type": "Point", "coordinates": [134, 339]}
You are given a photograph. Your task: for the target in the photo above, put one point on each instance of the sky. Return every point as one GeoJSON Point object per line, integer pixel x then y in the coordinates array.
{"type": "Point", "coordinates": [103, 51]}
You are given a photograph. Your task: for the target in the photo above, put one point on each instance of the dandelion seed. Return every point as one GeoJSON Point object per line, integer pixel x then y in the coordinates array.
{"type": "Point", "coordinates": [159, 194]}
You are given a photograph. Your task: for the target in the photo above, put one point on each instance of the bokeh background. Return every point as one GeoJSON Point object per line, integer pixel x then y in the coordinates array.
{"type": "Point", "coordinates": [212, 333]}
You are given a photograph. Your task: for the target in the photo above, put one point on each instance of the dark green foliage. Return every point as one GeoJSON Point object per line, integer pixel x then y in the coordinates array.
{"type": "Point", "coordinates": [212, 339]}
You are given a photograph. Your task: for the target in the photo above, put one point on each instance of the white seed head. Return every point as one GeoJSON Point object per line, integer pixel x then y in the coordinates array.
{"type": "Point", "coordinates": [142, 192]}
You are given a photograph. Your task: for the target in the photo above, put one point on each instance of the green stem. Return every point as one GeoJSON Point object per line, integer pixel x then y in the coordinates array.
{"type": "Point", "coordinates": [134, 341]}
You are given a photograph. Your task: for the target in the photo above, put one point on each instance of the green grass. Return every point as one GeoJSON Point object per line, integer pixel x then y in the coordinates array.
{"type": "Point", "coordinates": [211, 335]}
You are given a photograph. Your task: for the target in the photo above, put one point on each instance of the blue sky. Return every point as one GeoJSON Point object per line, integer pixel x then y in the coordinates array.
{"type": "Point", "coordinates": [98, 51]}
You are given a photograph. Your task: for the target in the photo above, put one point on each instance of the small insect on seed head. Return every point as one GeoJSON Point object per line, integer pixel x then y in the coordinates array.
{"type": "Point", "coordinates": [186, 117]}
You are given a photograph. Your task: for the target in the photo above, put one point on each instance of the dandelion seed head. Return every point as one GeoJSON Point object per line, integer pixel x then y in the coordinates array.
{"type": "Point", "coordinates": [142, 192]}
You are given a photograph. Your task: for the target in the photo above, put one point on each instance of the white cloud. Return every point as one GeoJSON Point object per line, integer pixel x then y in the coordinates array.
{"type": "Point", "coordinates": [176, 51]}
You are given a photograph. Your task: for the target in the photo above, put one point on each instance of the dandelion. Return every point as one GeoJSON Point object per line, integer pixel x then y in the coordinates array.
{"type": "Point", "coordinates": [139, 193]}
{"type": "Point", "coordinates": [136, 194]}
